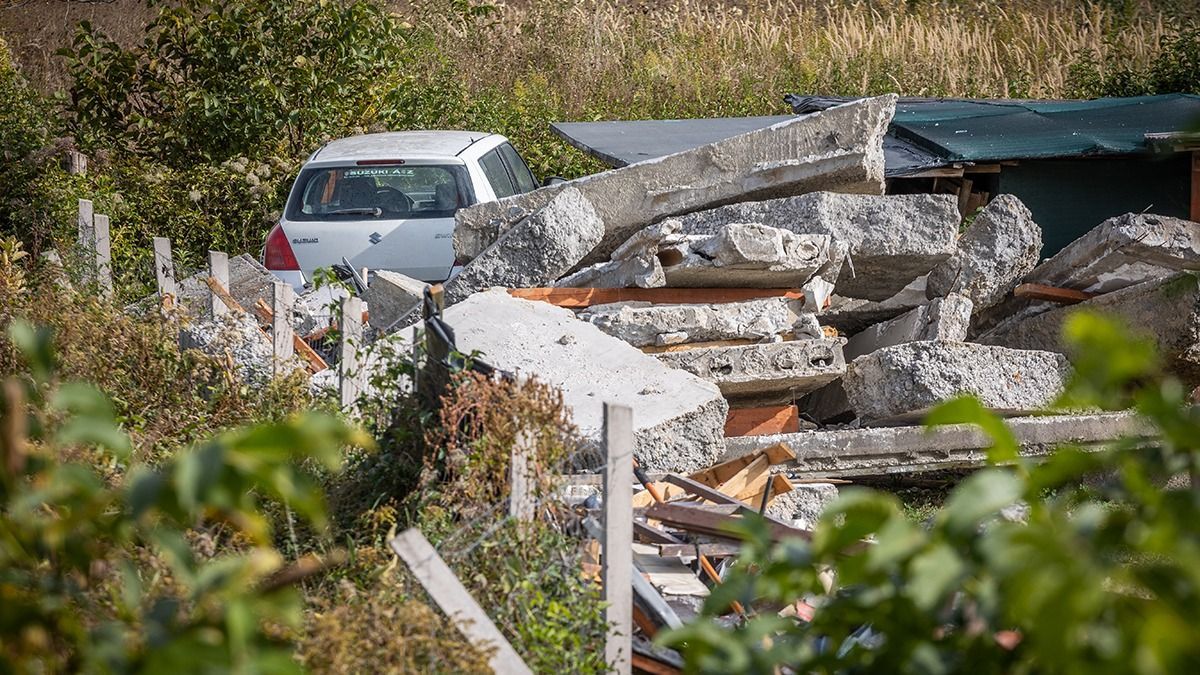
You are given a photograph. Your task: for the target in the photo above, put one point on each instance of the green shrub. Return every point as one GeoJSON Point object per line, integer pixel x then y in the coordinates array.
{"type": "Point", "coordinates": [153, 568]}
{"type": "Point", "coordinates": [1024, 569]}
{"type": "Point", "coordinates": [215, 79]}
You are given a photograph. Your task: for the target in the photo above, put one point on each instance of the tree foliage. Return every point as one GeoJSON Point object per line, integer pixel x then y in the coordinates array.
{"type": "Point", "coordinates": [1025, 569]}
{"type": "Point", "coordinates": [215, 79]}
{"type": "Point", "coordinates": [121, 574]}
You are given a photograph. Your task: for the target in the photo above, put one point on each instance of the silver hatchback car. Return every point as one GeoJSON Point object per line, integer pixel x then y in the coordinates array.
{"type": "Point", "coordinates": [387, 201]}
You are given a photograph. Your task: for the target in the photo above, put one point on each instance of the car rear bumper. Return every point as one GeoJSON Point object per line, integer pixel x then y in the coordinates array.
{"type": "Point", "coordinates": [293, 277]}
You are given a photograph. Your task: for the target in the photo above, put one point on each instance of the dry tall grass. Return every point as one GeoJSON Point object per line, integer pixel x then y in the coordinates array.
{"type": "Point", "coordinates": [603, 57]}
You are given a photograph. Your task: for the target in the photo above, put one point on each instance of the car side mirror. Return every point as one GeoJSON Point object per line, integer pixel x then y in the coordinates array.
{"type": "Point", "coordinates": [553, 180]}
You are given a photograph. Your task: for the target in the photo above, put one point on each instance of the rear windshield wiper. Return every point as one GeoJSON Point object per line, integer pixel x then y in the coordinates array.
{"type": "Point", "coordinates": [360, 211]}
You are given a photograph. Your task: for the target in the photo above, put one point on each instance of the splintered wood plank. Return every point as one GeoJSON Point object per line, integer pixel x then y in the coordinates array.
{"type": "Point", "coordinates": [756, 473]}
{"type": "Point", "coordinates": [577, 298]}
{"type": "Point", "coordinates": [1063, 296]}
{"type": "Point", "coordinates": [265, 315]}
{"type": "Point", "coordinates": [772, 419]}
{"type": "Point", "coordinates": [779, 485]}
{"type": "Point", "coordinates": [644, 498]}
{"type": "Point", "coordinates": [719, 473]}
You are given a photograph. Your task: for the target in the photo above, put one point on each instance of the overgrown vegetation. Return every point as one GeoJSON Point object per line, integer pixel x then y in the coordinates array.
{"type": "Point", "coordinates": [196, 125]}
{"type": "Point", "coordinates": [154, 513]}
{"type": "Point", "coordinates": [153, 420]}
{"type": "Point", "coordinates": [1026, 567]}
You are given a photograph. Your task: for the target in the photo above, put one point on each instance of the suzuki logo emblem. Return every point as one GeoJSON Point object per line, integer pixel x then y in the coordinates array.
{"type": "Point", "coordinates": [375, 237]}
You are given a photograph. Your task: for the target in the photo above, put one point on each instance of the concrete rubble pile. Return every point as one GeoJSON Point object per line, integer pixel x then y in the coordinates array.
{"type": "Point", "coordinates": [761, 291]}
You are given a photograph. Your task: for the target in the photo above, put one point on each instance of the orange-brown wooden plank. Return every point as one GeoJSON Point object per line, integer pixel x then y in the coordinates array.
{"type": "Point", "coordinates": [576, 298]}
{"type": "Point", "coordinates": [315, 363]}
{"type": "Point", "coordinates": [772, 419]}
{"type": "Point", "coordinates": [1195, 209]}
{"type": "Point", "coordinates": [1064, 296]}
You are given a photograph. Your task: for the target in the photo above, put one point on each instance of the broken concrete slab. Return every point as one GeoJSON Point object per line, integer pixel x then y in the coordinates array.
{"type": "Point", "coordinates": [639, 271]}
{"type": "Point", "coordinates": [854, 315]}
{"type": "Point", "coordinates": [238, 338]}
{"type": "Point", "coordinates": [643, 324]}
{"type": "Point", "coordinates": [942, 319]}
{"type": "Point", "coordinates": [1167, 310]}
{"type": "Point", "coordinates": [249, 282]}
{"type": "Point", "coordinates": [901, 383]}
{"type": "Point", "coordinates": [889, 450]}
{"type": "Point", "coordinates": [804, 504]}
{"type": "Point", "coordinates": [390, 296]}
{"type": "Point", "coordinates": [999, 247]}
{"type": "Point", "coordinates": [536, 251]}
{"type": "Point", "coordinates": [678, 419]}
{"type": "Point", "coordinates": [945, 318]}
{"type": "Point", "coordinates": [838, 149]}
{"type": "Point", "coordinates": [764, 371]}
{"type": "Point", "coordinates": [1120, 252]}
{"type": "Point", "coordinates": [744, 255]}
{"type": "Point", "coordinates": [891, 239]}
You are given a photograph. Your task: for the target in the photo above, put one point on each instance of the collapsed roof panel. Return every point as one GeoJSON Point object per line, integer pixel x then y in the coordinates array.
{"type": "Point", "coordinates": [926, 133]}
{"type": "Point", "coordinates": [621, 143]}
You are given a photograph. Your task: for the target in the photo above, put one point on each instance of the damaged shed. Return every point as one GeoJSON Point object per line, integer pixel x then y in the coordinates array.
{"type": "Point", "coordinates": [1073, 163]}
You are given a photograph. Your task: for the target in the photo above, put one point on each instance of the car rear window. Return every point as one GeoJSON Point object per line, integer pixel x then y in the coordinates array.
{"type": "Point", "coordinates": [366, 192]}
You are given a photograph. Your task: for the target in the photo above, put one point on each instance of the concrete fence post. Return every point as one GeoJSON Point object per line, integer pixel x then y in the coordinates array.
{"type": "Point", "coordinates": [83, 221]}
{"type": "Point", "coordinates": [164, 271]}
{"type": "Point", "coordinates": [350, 371]}
{"type": "Point", "coordinates": [617, 547]}
{"type": "Point", "coordinates": [282, 345]}
{"type": "Point", "coordinates": [453, 598]}
{"type": "Point", "coordinates": [521, 503]}
{"type": "Point", "coordinates": [218, 268]}
{"type": "Point", "coordinates": [102, 244]}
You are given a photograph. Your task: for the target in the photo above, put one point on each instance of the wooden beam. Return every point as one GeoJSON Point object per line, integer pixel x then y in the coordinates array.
{"type": "Point", "coordinates": [1063, 296]}
{"type": "Point", "coordinates": [772, 419]}
{"type": "Point", "coordinates": [715, 520]}
{"type": "Point", "coordinates": [264, 314]}
{"type": "Point", "coordinates": [578, 298]}
{"type": "Point", "coordinates": [943, 172]}
{"type": "Point", "coordinates": [716, 549]}
{"type": "Point", "coordinates": [982, 168]}
{"type": "Point", "coordinates": [1194, 212]}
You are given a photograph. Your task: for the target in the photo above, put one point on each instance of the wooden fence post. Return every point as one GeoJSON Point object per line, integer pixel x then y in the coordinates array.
{"type": "Point", "coordinates": [521, 505]}
{"type": "Point", "coordinates": [218, 268]}
{"type": "Point", "coordinates": [452, 597]}
{"type": "Point", "coordinates": [617, 547]}
{"type": "Point", "coordinates": [350, 375]}
{"type": "Point", "coordinates": [164, 271]}
{"type": "Point", "coordinates": [282, 346]}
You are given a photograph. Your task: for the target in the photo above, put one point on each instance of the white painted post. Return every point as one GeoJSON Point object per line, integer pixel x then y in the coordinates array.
{"type": "Point", "coordinates": [453, 599]}
{"type": "Point", "coordinates": [164, 269]}
{"type": "Point", "coordinates": [349, 370]}
{"type": "Point", "coordinates": [521, 504]}
{"type": "Point", "coordinates": [218, 268]}
{"type": "Point", "coordinates": [282, 346]}
{"type": "Point", "coordinates": [617, 547]}
{"type": "Point", "coordinates": [103, 259]}
{"type": "Point", "coordinates": [84, 221]}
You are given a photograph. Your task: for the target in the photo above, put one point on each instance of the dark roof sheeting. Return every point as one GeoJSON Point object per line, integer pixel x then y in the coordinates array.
{"type": "Point", "coordinates": [926, 133]}
{"type": "Point", "coordinates": [960, 130]}
{"type": "Point", "coordinates": [627, 142]}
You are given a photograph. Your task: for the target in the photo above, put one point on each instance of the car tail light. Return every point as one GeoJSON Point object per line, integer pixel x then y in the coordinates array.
{"type": "Point", "coordinates": [278, 253]}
